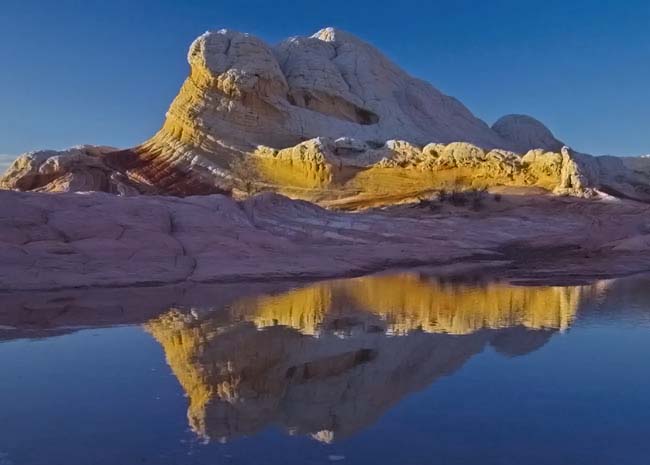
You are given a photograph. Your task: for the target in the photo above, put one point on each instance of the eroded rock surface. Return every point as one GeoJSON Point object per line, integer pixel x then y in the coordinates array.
{"type": "Point", "coordinates": [323, 118]}
{"type": "Point", "coordinates": [69, 240]}
{"type": "Point", "coordinates": [97, 169]}
{"type": "Point", "coordinates": [525, 133]}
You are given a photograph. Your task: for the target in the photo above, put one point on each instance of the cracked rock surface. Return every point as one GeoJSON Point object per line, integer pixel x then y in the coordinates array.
{"type": "Point", "coordinates": [50, 241]}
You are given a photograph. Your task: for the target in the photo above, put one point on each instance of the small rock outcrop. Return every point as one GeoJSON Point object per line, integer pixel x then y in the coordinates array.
{"type": "Point", "coordinates": [97, 169]}
{"type": "Point", "coordinates": [525, 133]}
{"type": "Point", "coordinates": [81, 168]}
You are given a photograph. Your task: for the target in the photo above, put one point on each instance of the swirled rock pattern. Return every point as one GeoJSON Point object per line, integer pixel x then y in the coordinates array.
{"type": "Point", "coordinates": [323, 118]}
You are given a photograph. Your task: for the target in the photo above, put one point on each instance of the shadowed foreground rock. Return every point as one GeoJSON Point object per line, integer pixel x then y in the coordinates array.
{"type": "Point", "coordinates": [71, 240]}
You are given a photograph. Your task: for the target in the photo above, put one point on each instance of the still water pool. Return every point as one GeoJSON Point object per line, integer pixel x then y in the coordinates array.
{"type": "Point", "coordinates": [389, 369]}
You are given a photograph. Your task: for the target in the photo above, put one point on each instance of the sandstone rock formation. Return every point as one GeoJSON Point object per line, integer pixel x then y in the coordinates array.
{"type": "Point", "coordinates": [525, 132]}
{"type": "Point", "coordinates": [50, 241]}
{"type": "Point", "coordinates": [328, 85]}
{"type": "Point", "coordinates": [89, 168]}
{"type": "Point", "coordinates": [77, 169]}
{"type": "Point", "coordinates": [328, 119]}
{"type": "Point", "coordinates": [322, 118]}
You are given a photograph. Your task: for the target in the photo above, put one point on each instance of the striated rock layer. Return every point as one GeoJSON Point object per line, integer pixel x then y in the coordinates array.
{"type": "Point", "coordinates": [323, 118]}
{"type": "Point", "coordinates": [50, 241]}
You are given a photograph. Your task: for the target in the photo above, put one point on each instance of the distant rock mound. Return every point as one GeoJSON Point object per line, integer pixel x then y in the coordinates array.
{"type": "Point", "coordinates": [525, 133]}
{"type": "Point", "coordinates": [97, 169]}
{"type": "Point", "coordinates": [322, 118]}
{"type": "Point", "coordinates": [80, 168]}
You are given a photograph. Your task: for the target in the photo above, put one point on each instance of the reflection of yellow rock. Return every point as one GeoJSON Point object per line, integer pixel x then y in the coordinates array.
{"type": "Point", "coordinates": [406, 302]}
{"type": "Point", "coordinates": [301, 309]}
{"type": "Point", "coordinates": [320, 360]}
{"type": "Point", "coordinates": [239, 380]}
{"type": "Point", "coordinates": [181, 344]}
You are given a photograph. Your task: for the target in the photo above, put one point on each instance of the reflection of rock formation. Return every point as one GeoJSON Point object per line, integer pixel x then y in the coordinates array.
{"type": "Point", "coordinates": [329, 359]}
{"type": "Point", "coordinates": [406, 302]}
{"type": "Point", "coordinates": [241, 380]}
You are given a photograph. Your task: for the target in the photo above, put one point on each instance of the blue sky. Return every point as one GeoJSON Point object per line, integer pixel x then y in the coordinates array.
{"type": "Point", "coordinates": [105, 72]}
{"type": "Point", "coordinates": [5, 161]}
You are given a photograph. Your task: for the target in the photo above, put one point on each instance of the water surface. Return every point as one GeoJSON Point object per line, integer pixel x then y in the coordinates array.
{"type": "Point", "coordinates": [390, 369]}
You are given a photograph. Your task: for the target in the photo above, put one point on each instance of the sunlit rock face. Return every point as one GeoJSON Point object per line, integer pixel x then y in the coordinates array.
{"type": "Point", "coordinates": [320, 118]}
{"type": "Point", "coordinates": [331, 84]}
{"type": "Point", "coordinates": [347, 169]}
{"type": "Point", "coordinates": [327, 360]}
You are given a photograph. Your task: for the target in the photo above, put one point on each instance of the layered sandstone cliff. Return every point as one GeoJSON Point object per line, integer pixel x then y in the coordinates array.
{"type": "Point", "coordinates": [323, 118]}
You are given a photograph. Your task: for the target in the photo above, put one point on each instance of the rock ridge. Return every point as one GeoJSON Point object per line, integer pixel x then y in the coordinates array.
{"type": "Point", "coordinates": [280, 109]}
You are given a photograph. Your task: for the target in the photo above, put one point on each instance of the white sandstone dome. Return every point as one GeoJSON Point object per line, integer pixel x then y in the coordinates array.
{"type": "Point", "coordinates": [525, 133]}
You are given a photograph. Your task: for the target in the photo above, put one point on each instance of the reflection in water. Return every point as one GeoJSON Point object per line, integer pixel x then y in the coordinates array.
{"type": "Point", "coordinates": [329, 359]}
{"type": "Point", "coordinates": [403, 303]}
